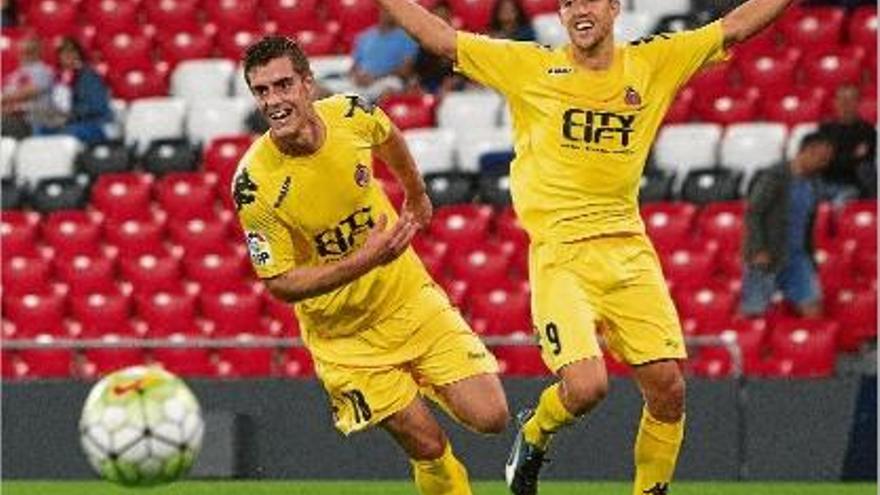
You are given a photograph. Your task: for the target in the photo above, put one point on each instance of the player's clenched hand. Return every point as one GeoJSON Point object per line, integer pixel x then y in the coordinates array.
{"type": "Point", "coordinates": [419, 206]}
{"type": "Point", "coordinates": [384, 245]}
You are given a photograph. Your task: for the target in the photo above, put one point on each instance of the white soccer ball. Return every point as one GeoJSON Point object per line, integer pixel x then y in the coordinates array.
{"type": "Point", "coordinates": [141, 426]}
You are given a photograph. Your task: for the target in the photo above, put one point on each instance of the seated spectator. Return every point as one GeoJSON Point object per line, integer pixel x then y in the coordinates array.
{"type": "Point", "coordinates": [434, 73]}
{"type": "Point", "coordinates": [383, 60]}
{"type": "Point", "coordinates": [853, 171]}
{"type": "Point", "coordinates": [510, 21]}
{"type": "Point", "coordinates": [82, 95]}
{"type": "Point", "coordinates": [27, 93]}
{"type": "Point", "coordinates": [778, 249]}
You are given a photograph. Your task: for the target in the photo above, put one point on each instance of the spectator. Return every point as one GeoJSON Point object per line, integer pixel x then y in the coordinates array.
{"type": "Point", "coordinates": [434, 73]}
{"type": "Point", "coordinates": [383, 60]}
{"type": "Point", "coordinates": [82, 95]}
{"type": "Point", "coordinates": [853, 170]}
{"type": "Point", "coordinates": [27, 93]}
{"type": "Point", "coordinates": [778, 246]}
{"type": "Point", "coordinates": [510, 21]}
{"type": "Point", "coordinates": [8, 13]}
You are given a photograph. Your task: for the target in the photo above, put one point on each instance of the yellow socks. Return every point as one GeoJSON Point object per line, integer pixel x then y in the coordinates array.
{"type": "Point", "coordinates": [550, 415]}
{"type": "Point", "coordinates": [656, 451]}
{"type": "Point", "coordinates": [442, 476]}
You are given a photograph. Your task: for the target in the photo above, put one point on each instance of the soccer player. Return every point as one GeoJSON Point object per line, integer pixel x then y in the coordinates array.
{"type": "Point", "coordinates": [584, 118]}
{"type": "Point", "coordinates": [323, 236]}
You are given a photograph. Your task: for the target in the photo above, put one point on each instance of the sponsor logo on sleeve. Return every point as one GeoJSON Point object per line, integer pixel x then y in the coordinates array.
{"type": "Point", "coordinates": [259, 249]}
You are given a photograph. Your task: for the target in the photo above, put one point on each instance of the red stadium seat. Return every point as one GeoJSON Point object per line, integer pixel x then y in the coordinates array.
{"type": "Point", "coordinates": [353, 16]}
{"type": "Point", "coordinates": [813, 26]}
{"type": "Point", "coordinates": [221, 158]}
{"type": "Point", "coordinates": [722, 223]}
{"type": "Point", "coordinates": [187, 195]}
{"type": "Point", "coordinates": [151, 273]}
{"type": "Point", "coordinates": [103, 361]}
{"type": "Point", "coordinates": [711, 78]}
{"type": "Point", "coordinates": [72, 232]}
{"type": "Point", "coordinates": [243, 362]}
{"type": "Point", "coordinates": [113, 16]}
{"type": "Point", "coordinates": [296, 362]}
{"type": "Point", "coordinates": [456, 290]}
{"type": "Point", "coordinates": [792, 106]}
{"type": "Point", "coordinates": [728, 106]}
{"type": "Point", "coordinates": [483, 266]}
{"type": "Point", "coordinates": [184, 361]}
{"type": "Point", "coordinates": [410, 110]}
{"type": "Point", "coordinates": [856, 312]}
{"type": "Point", "coordinates": [282, 320]}
{"type": "Point", "coordinates": [23, 275]}
{"type": "Point", "coordinates": [233, 313]}
{"type": "Point", "coordinates": [45, 363]}
{"type": "Point", "coordinates": [868, 106]}
{"type": "Point", "coordinates": [708, 308]}
{"type": "Point", "coordinates": [802, 348]}
{"type": "Point", "coordinates": [535, 7]}
{"type": "Point", "coordinates": [432, 253]}
{"type": "Point", "coordinates": [680, 109]}
{"type": "Point", "coordinates": [218, 272]}
{"type": "Point", "coordinates": [123, 196]}
{"type": "Point", "coordinates": [669, 224]}
{"type": "Point", "coordinates": [750, 335]}
{"type": "Point", "coordinates": [772, 69]}
{"type": "Point", "coordinates": [138, 83]}
{"type": "Point", "coordinates": [508, 228]}
{"type": "Point", "coordinates": [186, 45]}
{"type": "Point", "coordinates": [461, 226]}
{"type": "Point", "coordinates": [231, 15]}
{"type": "Point", "coordinates": [35, 314]}
{"type": "Point", "coordinates": [832, 66]}
{"type": "Point", "coordinates": [316, 42]}
{"type": "Point", "coordinates": [168, 313]}
{"type": "Point", "coordinates": [102, 314]}
{"type": "Point", "coordinates": [834, 268]}
{"type": "Point", "coordinates": [127, 51]}
{"type": "Point", "coordinates": [173, 16]}
{"type": "Point", "coordinates": [521, 360]}
{"type": "Point", "coordinates": [296, 15]}
{"type": "Point", "coordinates": [10, 37]}
{"type": "Point", "coordinates": [858, 221]}
{"type": "Point", "coordinates": [135, 237]}
{"type": "Point", "coordinates": [19, 232]}
{"type": "Point", "coordinates": [394, 191]}
{"type": "Point", "coordinates": [52, 17]}
{"type": "Point", "coordinates": [501, 312]}
{"type": "Point", "coordinates": [711, 362]}
{"type": "Point", "coordinates": [862, 27]}
{"type": "Point", "coordinates": [86, 274]}
{"type": "Point", "coordinates": [232, 43]}
{"type": "Point", "coordinates": [199, 236]}
{"type": "Point", "coordinates": [475, 14]}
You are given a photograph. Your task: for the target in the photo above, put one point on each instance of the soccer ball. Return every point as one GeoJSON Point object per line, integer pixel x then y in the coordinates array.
{"type": "Point", "coordinates": [141, 426]}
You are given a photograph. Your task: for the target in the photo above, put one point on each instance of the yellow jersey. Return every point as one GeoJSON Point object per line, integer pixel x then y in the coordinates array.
{"type": "Point", "coordinates": [581, 137]}
{"type": "Point", "coordinates": [316, 209]}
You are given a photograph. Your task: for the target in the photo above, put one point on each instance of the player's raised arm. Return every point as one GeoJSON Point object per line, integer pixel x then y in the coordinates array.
{"type": "Point", "coordinates": [395, 153]}
{"type": "Point", "coordinates": [429, 30]}
{"type": "Point", "coordinates": [749, 18]}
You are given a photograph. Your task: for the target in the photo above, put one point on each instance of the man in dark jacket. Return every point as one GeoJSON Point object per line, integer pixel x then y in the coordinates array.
{"type": "Point", "coordinates": [779, 220]}
{"type": "Point", "coordinates": [853, 170]}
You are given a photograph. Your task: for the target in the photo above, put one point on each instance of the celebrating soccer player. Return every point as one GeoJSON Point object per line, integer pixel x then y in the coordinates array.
{"type": "Point", "coordinates": [584, 118]}
{"type": "Point", "coordinates": [323, 235]}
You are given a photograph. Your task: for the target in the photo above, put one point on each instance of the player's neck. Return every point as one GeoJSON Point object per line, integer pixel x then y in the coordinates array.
{"type": "Point", "coordinates": [596, 58]}
{"type": "Point", "coordinates": [305, 142]}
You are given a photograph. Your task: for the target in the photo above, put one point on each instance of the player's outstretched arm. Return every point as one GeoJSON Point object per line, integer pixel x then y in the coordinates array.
{"type": "Point", "coordinates": [381, 246]}
{"type": "Point", "coordinates": [429, 30]}
{"type": "Point", "coordinates": [395, 153]}
{"type": "Point", "coordinates": [750, 18]}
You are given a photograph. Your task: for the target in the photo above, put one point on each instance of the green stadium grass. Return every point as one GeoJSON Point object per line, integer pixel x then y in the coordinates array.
{"type": "Point", "coordinates": [404, 488]}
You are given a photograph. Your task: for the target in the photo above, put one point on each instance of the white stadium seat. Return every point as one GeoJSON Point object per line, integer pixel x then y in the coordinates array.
{"type": "Point", "coordinates": [432, 149]}
{"type": "Point", "coordinates": [38, 157]}
{"type": "Point", "coordinates": [752, 146]}
{"type": "Point", "coordinates": [631, 26]}
{"type": "Point", "coordinates": [210, 118]}
{"type": "Point", "coordinates": [7, 156]}
{"type": "Point", "coordinates": [549, 30]}
{"type": "Point", "coordinates": [683, 147]}
{"type": "Point", "coordinates": [205, 78]}
{"type": "Point", "coordinates": [149, 119]}
{"type": "Point", "coordinates": [330, 66]}
{"type": "Point", "coordinates": [797, 134]}
{"type": "Point", "coordinates": [470, 110]}
{"type": "Point", "coordinates": [471, 145]}
{"type": "Point", "coordinates": [658, 8]}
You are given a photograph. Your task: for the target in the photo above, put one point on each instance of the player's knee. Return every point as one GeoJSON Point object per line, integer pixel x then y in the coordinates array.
{"type": "Point", "coordinates": [584, 395]}
{"type": "Point", "coordinates": [428, 447]}
{"type": "Point", "coordinates": [668, 400]}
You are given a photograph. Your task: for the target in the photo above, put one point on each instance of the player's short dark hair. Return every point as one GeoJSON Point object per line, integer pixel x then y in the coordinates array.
{"type": "Point", "coordinates": [271, 47]}
{"type": "Point", "coordinates": [816, 138]}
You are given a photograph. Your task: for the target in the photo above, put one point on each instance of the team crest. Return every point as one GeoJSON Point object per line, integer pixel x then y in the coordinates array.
{"type": "Point", "coordinates": [361, 175]}
{"type": "Point", "coordinates": [632, 97]}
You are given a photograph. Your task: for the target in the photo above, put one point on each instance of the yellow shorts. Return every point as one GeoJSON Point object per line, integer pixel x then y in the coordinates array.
{"type": "Point", "coordinates": [443, 350]}
{"type": "Point", "coordinates": [613, 285]}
